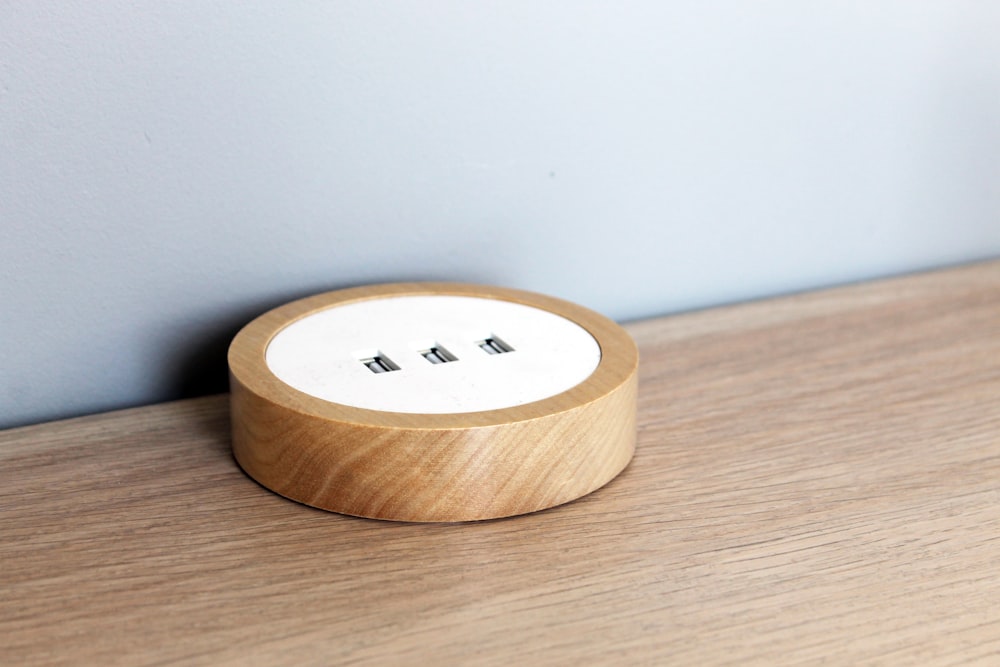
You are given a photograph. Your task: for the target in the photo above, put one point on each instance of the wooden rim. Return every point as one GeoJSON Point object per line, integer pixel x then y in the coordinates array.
{"type": "Point", "coordinates": [247, 363]}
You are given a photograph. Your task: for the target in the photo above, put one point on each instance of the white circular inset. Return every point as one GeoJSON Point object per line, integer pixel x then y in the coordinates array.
{"type": "Point", "coordinates": [433, 354]}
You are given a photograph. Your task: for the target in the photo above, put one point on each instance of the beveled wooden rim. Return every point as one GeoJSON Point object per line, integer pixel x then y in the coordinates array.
{"type": "Point", "coordinates": [247, 363]}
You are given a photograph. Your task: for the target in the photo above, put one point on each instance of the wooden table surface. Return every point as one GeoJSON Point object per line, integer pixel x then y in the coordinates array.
{"type": "Point", "coordinates": [817, 480]}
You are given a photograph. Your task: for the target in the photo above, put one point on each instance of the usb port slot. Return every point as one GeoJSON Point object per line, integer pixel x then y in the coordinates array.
{"type": "Point", "coordinates": [380, 364]}
{"type": "Point", "coordinates": [494, 345]}
{"type": "Point", "coordinates": [436, 354]}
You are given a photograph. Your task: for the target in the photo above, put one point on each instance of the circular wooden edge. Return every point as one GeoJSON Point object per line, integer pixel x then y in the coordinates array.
{"type": "Point", "coordinates": [248, 365]}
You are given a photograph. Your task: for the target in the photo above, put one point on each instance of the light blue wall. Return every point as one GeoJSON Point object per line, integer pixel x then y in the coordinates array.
{"type": "Point", "coordinates": [170, 170]}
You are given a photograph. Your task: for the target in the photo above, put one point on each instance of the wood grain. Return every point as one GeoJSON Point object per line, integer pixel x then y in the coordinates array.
{"type": "Point", "coordinates": [433, 467]}
{"type": "Point", "coordinates": [817, 480]}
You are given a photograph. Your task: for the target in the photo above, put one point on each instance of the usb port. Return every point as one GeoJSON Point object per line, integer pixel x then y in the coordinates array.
{"type": "Point", "coordinates": [380, 364]}
{"type": "Point", "coordinates": [494, 345]}
{"type": "Point", "coordinates": [436, 354]}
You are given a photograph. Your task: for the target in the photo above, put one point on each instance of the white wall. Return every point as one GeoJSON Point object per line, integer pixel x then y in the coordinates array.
{"type": "Point", "coordinates": [169, 170]}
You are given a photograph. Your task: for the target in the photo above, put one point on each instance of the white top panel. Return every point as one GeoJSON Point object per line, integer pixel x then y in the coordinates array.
{"type": "Point", "coordinates": [324, 355]}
